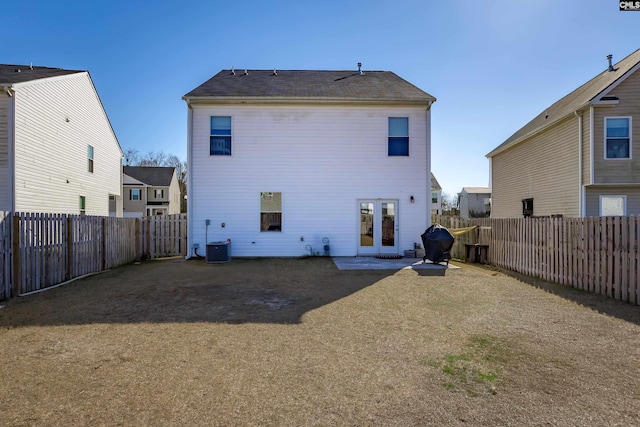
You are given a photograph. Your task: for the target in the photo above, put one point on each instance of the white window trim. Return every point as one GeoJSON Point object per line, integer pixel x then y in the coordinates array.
{"type": "Point", "coordinates": [211, 134]}
{"type": "Point", "coordinates": [604, 132]}
{"type": "Point", "coordinates": [624, 198]}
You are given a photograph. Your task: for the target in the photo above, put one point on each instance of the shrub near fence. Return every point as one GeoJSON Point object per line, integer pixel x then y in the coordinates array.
{"type": "Point", "coordinates": [38, 251]}
{"type": "Point", "coordinates": [598, 255]}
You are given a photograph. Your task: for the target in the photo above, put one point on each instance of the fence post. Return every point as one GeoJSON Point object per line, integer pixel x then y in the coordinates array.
{"type": "Point", "coordinates": [15, 234]}
{"type": "Point", "coordinates": [69, 248]}
{"type": "Point", "coordinates": [104, 244]}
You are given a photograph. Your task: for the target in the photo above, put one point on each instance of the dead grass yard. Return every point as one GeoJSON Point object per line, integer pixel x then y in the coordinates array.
{"type": "Point", "coordinates": [285, 342]}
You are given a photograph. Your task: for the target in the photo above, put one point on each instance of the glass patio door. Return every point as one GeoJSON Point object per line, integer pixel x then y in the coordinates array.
{"type": "Point", "coordinates": [378, 227]}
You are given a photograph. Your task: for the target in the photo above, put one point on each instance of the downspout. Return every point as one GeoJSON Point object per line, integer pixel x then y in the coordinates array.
{"type": "Point", "coordinates": [580, 186]}
{"type": "Point", "coordinates": [11, 148]}
{"type": "Point", "coordinates": [189, 181]}
{"type": "Point", "coordinates": [428, 143]}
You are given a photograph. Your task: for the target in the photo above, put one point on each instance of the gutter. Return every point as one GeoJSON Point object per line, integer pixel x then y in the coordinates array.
{"type": "Point", "coordinates": [303, 100]}
{"type": "Point", "coordinates": [581, 190]}
{"type": "Point", "coordinates": [189, 179]}
{"type": "Point", "coordinates": [11, 147]}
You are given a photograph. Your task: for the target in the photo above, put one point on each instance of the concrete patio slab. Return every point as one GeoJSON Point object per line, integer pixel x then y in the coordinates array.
{"type": "Point", "coordinates": [373, 263]}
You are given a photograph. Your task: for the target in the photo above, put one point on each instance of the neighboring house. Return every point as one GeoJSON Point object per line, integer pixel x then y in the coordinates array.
{"type": "Point", "coordinates": [281, 160]}
{"type": "Point", "coordinates": [474, 202]}
{"type": "Point", "coordinates": [58, 151]}
{"type": "Point", "coordinates": [150, 191]}
{"type": "Point", "coordinates": [436, 196]}
{"type": "Point", "coordinates": [578, 157]}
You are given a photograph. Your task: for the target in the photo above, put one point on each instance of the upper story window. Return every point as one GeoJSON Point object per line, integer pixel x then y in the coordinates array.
{"type": "Point", "coordinates": [617, 138]}
{"type": "Point", "coordinates": [398, 136]}
{"type": "Point", "coordinates": [158, 194]}
{"type": "Point", "coordinates": [434, 197]}
{"type": "Point", "coordinates": [90, 157]}
{"type": "Point", "coordinates": [220, 140]}
{"type": "Point", "coordinates": [134, 194]}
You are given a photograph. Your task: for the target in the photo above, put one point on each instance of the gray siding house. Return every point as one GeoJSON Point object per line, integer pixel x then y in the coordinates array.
{"type": "Point", "coordinates": [580, 156]}
{"type": "Point", "coordinates": [474, 202]}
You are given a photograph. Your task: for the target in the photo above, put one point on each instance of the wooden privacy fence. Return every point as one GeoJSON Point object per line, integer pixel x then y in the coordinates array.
{"type": "Point", "coordinates": [41, 250]}
{"type": "Point", "coordinates": [598, 255]}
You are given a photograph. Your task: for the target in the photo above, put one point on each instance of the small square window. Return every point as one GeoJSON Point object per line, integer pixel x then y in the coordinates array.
{"type": "Point", "coordinates": [398, 144]}
{"type": "Point", "coordinates": [527, 208]}
{"type": "Point", "coordinates": [270, 211]}
{"type": "Point", "coordinates": [613, 205]}
{"type": "Point", "coordinates": [220, 139]}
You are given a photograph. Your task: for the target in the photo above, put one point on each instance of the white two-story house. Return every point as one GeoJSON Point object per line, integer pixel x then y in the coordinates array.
{"type": "Point", "coordinates": [285, 162]}
{"type": "Point", "coordinates": [58, 151]}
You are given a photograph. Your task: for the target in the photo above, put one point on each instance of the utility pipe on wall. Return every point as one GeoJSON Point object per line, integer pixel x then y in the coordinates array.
{"type": "Point", "coordinates": [580, 188]}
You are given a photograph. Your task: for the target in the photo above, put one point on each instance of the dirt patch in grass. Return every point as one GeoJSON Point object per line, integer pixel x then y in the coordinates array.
{"type": "Point", "coordinates": [298, 342]}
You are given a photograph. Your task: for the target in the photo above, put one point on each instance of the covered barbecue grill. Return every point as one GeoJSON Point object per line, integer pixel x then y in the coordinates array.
{"type": "Point", "coordinates": [437, 242]}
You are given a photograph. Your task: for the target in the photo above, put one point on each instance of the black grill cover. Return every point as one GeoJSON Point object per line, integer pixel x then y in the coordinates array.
{"type": "Point", "coordinates": [437, 242]}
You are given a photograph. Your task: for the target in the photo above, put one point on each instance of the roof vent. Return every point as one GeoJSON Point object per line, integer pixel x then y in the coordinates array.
{"type": "Point", "coordinates": [609, 58]}
{"type": "Point", "coordinates": [360, 72]}
{"type": "Point", "coordinates": [31, 65]}
{"type": "Point", "coordinates": [233, 71]}
{"type": "Point", "coordinates": [246, 72]}
{"type": "Point", "coordinates": [275, 72]}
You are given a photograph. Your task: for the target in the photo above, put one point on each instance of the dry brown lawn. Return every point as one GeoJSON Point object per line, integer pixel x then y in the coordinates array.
{"type": "Point", "coordinates": [286, 342]}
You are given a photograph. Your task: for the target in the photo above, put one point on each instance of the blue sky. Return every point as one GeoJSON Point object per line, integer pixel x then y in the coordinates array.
{"type": "Point", "coordinates": [492, 64]}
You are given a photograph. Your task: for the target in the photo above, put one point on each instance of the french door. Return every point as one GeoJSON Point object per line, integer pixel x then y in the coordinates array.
{"type": "Point", "coordinates": [378, 227]}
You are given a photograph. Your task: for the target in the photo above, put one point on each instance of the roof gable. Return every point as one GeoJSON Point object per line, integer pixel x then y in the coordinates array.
{"type": "Point", "coordinates": [588, 93]}
{"type": "Point", "coordinates": [155, 176]}
{"type": "Point", "coordinates": [10, 74]}
{"type": "Point", "coordinates": [305, 84]}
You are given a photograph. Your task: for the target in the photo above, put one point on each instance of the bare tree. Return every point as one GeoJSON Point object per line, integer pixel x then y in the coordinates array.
{"type": "Point", "coordinates": [131, 157]}
{"type": "Point", "coordinates": [449, 204]}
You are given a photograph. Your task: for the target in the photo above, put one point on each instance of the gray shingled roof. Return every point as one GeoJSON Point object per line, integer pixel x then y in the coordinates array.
{"type": "Point", "coordinates": [10, 74]}
{"type": "Point", "coordinates": [292, 84]}
{"type": "Point", "coordinates": [159, 176]}
{"type": "Point", "coordinates": [575, 100]}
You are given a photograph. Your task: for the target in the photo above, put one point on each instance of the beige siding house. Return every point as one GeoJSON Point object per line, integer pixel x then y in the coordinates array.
{"type": "Point", "coordinates": [579, 157]}
{"type": "Point", "coordinates": [58, 151]}
{"type": "Point", "coordinates": [150, 191]}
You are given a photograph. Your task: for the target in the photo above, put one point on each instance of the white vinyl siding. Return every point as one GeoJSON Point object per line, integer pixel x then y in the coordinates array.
{"type": "Point", "coordinates": [5, 194]}
{"type": "Point", "coordinates": [55, 120]}
{"type": "Point", "coordinates": [544, 168]}
{"type": "Point", "coordinates": [322, 159]}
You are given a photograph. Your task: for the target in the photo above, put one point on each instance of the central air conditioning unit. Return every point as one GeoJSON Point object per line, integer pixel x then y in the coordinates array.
{"type": "Point", "coordinates": [219, 251]}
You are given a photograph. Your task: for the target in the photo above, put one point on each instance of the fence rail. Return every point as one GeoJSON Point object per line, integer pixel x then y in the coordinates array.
{"type": "Point", "coordinates": [599, 255]}
{"type": "Point", "coordinates": [40, 250]}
